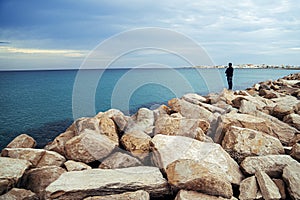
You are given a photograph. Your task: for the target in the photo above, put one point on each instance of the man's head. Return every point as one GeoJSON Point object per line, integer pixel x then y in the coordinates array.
{"type": "Point", "coordinates": [230, 64]}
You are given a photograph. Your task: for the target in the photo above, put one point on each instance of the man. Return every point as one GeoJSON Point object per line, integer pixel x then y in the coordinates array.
{"type": "Point", "coordinates": [229, 74]}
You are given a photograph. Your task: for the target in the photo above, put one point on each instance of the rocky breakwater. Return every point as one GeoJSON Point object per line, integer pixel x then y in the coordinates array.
{"type": "Point", "coordinates": [231, 145]}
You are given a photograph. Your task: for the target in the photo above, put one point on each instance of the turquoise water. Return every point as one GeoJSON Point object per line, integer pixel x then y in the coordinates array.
{"type": "Point", "coordinates": [39, 103]}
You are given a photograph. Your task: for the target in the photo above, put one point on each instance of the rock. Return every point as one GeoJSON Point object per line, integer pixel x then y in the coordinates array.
{"type": "Point", "coordinates": [281, 186]}
{"type": "Point", "coordinates": [260, 122]}
{"type": "Point", "coordinates": [137, 142]}
{"type": "Point", "coordinates": [19, 194]}
{"type": "Point", "coordinates": [22, 141]}
{"type": "Point", "coordinates": [280, 111]}
{"type": "Point", "coordinates": [11, 171]}
{"type": "Point", "coordinates": [58, 144]}
{"type": "Point", "coordinates": [100, 182]}
{"type": "Point", "coordinates": [295, 153]}
{"type": "Point", "coordinates": [137, 195]}
{"type": "Point", "coordinates": [72, 165]}
{"type": "Point", "coordinates": [239, 120]}
{"type": "Point", "coordinates": [143, 120]}
{"type": "Point", "coordinates": [271, 164]}
{"type": "Point", "coordinates": [293, 120]}
{"type": "Point", "coordinates": [103, 126]}
{"type": "Point", "coordinates": [268, 94]}
{"type": "Point", "coordinates": [118, 117]}
{"type": "Point", "coordinates": [119, 160]}
{"type": "Point", "coordinates": [38, 179]}
{"type": "Point", "coordinates": [194, 98]}
{"type": "Point", "coordinates": [244, 142]}
{"type": "Point", "coordinates": [167, 149]}
{"type": "Point", "coordinates": [284, 132]}
{"type": "Point", "coordinates": [38, 157]}
{"type": "Point", "coordinates": [160, 111]}
{"type": "Point", "coordinates": [287, 100]}
{"type": "Point", "coordinates": [192, 195]}
{"type": "Point", "coordinates": [248, 188]}
{"type": "Point", "coordinates": [88, 147]}
{"type": "Point", "coordinates": [247, 107]}
{"type": "Point", "coordinates": [181, 126]}
{"type": "Point", "coordinates": [291, 176]}
{"type": "Point", "coordinates": [268, 188]}
{"type": "Point", "coordinates": [192, 175]}
{"type": "Point", "coordinates": [190, 111]}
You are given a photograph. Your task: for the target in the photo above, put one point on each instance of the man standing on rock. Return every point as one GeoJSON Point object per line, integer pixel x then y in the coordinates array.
{"type": "Point", "coordinates": [229, 74]}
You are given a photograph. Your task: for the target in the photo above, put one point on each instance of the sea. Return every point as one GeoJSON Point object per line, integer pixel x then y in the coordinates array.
{"type": "Point", "coordinates": [44, 103]}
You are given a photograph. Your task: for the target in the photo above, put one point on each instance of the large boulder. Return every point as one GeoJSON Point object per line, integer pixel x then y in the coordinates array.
{"type": "Point", "coordinates": [22, 141]}
{"type": "Point", "coordinates": [268, 188]}
{"type": "Point", "coordinates": [248, 188]}
{"type": "Point", "coordinates": [137, 195]}
{"type": "Point", "coordinates": [119, 160]}
{"type": "Point", "coordinates": [244, 142]}
{"type": "Point", "coordinates": [38, 179]}
{"type": "Point", "coordinates": [88, 147]}
{"type": "Point", "coordinates": [190, 110]}
{"type": "Point", "coordinates": [19, 194]}
{"type": "Point", "coordinates": [182, 126]}
{"type": "Point", "coordinates": [38, 157]}
{"type": "Point", "coordinates": [100, 182]}
{"type": "Point", "coordinates": [137, 142]}
{"type": "Point", "coordinates": [273, 165]}
{"type": "Point", "coordinates": [11, 171]}
{"type": "Point", "coordinates": [260, 122]}
{"type": "Point", "coordinates": [167, 149]}
{"type": "Point", "coordinates": [291, 176]}
{"type": "Point", "coordinates": [192, 175]}
{"type": "Point", "coordinates": [117, 116]}
{"type": "Point", "coordinates": [193, 195]}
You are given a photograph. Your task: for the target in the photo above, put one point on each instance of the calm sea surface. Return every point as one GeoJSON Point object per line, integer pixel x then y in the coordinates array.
{"type": "Point", "coordinates": [42, 103]}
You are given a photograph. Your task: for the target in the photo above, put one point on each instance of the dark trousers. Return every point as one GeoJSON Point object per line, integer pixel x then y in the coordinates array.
{"type": "Point", "coordinates": [229, 80]}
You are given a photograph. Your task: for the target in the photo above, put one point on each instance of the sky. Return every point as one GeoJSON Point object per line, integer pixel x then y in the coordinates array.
{"type": "Point", "coordinates": [60, 34]}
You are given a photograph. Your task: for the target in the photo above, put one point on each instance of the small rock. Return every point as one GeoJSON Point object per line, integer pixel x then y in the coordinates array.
{"type": "Point", "coordinates": [280, 111]}
{"type": "Point", "coordinates": [291, 176]}
{"type": "Point", "coordinates": [192, 175]}
{"type": "Point", "coordinates": [281, 186]}
{"type": "Point", "coordinates": [143, 120]}
{"type": "Point", "coordinates": [11, 171]}
{"type": "Point", "coordinates": [137, 142]}
{"type": "Point", "coordinates": [72, 165]}
{"type": "Point", "coordinates": [119, 160]}
{"type": "Point", "coordinates": [38, 179]}
{"type": "Point", "coordinates": [248, 188]}
{"type": "Point", "coordinates": [137, 195]}
{"type": "Point", "coordinates": [194, 98]}
{"type": "Point", "coordinates": [193, 195]}
{"type": "Point", "coordinates": [295, 153]}
{"type": "Point", "coordinates": [271, 164]}
{"type": "Point", "coordinates": [58, 144]}
{"type": "Point", "coordinates": [22, 141]}
{"type": "Point", "coordinates": [293, 120]}
{"type": "Point", "coordinates": [268, 188]}
{"type": "Point", "coordinates": [19, 194]}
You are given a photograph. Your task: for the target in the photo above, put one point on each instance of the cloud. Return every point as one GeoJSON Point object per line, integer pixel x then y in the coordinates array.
{"type": "Point", "coordinates": [228, 29]}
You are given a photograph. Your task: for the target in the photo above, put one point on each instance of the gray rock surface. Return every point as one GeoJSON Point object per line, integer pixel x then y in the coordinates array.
{"type": "Point", "coordinates": [291, 176]}
{"type": "Point", "coordinates": [100, 182]}
{"type": "Point", "coordinates": [268, 188]}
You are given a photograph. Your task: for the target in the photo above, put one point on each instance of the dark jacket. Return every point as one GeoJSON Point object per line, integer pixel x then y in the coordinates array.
{"type": "Point", "coordinates": [229, 71]}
